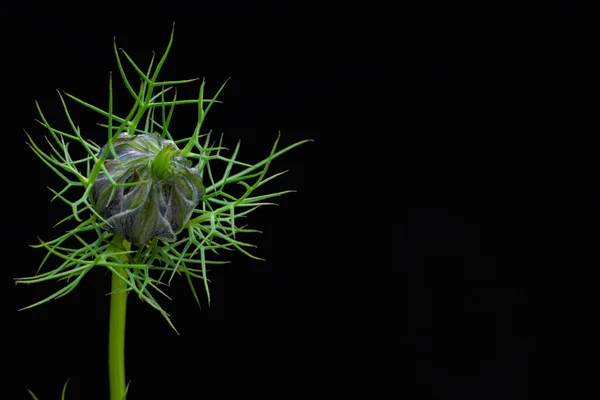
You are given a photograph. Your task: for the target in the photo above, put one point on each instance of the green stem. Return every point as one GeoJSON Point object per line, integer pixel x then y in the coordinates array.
{"type": "Point", "coordinates": [116, 333]}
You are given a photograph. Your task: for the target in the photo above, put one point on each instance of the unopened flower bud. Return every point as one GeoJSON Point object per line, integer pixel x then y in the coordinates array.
{"type": "Point", "coordinates": [161, 203]}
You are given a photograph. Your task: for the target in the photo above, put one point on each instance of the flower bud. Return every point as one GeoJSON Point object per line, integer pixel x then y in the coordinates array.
{"type": "Point", "coordinates": [161, 204]}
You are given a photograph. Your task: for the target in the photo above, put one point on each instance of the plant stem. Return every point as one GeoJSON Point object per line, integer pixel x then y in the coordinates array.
{"type": "Point", "coordinates": [116, 333]}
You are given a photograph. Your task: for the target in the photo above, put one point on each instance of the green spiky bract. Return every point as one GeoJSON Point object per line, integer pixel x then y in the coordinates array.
{"type": "Point", "coordinates": [62, 397]}
{"type": "Point", "coordinates": [213, 226]}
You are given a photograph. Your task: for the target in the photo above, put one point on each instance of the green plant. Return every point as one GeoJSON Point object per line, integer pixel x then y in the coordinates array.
{"type": "Point", "coordinates": [146, 205]}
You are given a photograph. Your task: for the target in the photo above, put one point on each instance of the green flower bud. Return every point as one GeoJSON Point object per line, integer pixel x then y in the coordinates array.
{"type": "Point", "coordinates": [161, 204]}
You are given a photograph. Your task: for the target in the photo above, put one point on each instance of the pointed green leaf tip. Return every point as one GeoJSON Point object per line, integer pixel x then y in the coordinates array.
{"type": "Point", "coordinates": [156, 191]}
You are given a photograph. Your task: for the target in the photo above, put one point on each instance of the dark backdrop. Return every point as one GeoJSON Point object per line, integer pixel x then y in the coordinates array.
{"type": "Point", "coordinates": [445, 211]}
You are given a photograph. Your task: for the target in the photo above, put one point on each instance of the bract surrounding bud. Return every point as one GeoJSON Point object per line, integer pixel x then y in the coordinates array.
{"type": "Point", "coordinates": [164, 197]}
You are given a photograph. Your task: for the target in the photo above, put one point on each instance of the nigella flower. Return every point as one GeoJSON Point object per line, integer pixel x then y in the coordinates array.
{"type": "Point", "coordinates": [163, 193]}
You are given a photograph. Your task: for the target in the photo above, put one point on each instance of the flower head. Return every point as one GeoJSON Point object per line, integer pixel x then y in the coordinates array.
{"type": "Point", "coordinates": [163, 189]}
{"type": "Point", "coordinates": [141, 189]}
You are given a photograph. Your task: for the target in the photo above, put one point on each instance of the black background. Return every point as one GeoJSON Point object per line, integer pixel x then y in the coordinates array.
{"type": "Point", "coordinates": [444, 221]}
